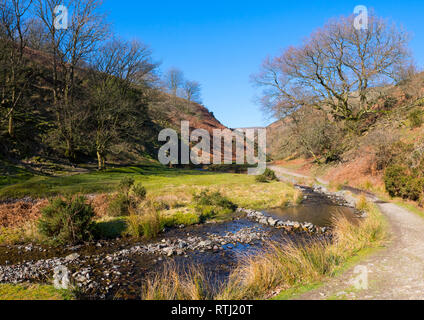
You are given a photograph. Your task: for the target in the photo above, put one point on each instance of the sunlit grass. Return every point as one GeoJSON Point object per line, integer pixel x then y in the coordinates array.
{"type": "Point", "coordinates": [33, 292]}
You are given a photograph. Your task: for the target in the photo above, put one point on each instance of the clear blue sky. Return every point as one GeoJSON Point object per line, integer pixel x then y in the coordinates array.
{"type": "Point", "coordinates": [221, 43]}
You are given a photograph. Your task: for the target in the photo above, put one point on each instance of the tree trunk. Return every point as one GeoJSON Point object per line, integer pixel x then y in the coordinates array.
{"type": "Point", "coordinates": [99, 160]}
{"type": "Point", "coordinates": [10, 127]}
{"type": "Point", "coordinates": [70, 153]}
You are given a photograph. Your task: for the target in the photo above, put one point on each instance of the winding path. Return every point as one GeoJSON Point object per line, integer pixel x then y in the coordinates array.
{"type": "Point", "coordinates": [395, 272]}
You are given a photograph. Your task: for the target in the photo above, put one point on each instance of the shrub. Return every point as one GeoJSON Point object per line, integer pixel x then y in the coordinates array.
{"type": "Point", "coordinates": [212, 204]}
{"type": "Point", "coordinates": [261, 179]}
{"type": "Point", "coordinates": [416, 118]}
{"type": "Point", "coordinates": [138, 192]}
{"type": "Point", "coordinates": [146, 222]}
{"type": "Point", "coordinates": [125, 184]}
{"type": "Point", "coordinates": [268, 175]}
{"type": "Point", "coordinates": [400, 182]}
{"type": "Point", "coordinates": [119, 205]}
{"type": "Point", "coordinates": [67, 220]}
{"type": "Point", "coordinates": [395, 180]}
{"type": "Point", "coordinates": [213, 199]}
{"type": "Point", "coordinates": [133, 226]}
{"type": "Point", "coordinates": [414, 188]}
{"type": "Point", "coordinates": [362, 204]}
{"type": "Point", "coordinates": [297, 197]}
{"type": "Point", "coordinates": [129, 196]}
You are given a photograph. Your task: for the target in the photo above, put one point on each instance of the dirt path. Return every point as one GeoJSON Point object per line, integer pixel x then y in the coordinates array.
{"type": "Point", "coordinates": [393, 273]}
{"type": "Point", "coordinates": [287, 175]}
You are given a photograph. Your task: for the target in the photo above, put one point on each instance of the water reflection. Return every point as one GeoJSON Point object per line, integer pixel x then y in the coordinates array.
{"type": "Point", "coordinates": [319, 215]}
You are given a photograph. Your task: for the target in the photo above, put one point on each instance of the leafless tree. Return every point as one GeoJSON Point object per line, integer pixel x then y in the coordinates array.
{"type": "Point", "coordinates": [335, 69]}
{"type": "Point", "coordinates": [116, 67]}
{"type": "Point", "coordinates": [174, 80]}
{"type": "Point", "coordinates": [192, 91]}
{"type": "Point", "coordinates": [87, 28]}
{"type": "Point", "coordinates": [13, 29]}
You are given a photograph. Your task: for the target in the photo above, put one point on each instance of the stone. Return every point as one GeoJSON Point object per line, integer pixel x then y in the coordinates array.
{"type": "Point", "coordinates": [168, 251]}
{"type": "Point", "coordinates": [72, 257]}
{"type": "Point", "coordinates": [182, 244]}
{"type": "Point", "coordinates": [272, 222]}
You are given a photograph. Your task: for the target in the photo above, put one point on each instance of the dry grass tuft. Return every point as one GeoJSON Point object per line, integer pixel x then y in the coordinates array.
{"type": "Point", "coordinates": [145, 221]}
{"type": "Point", "coordinates": [297, 196]}
{"type": "Point", "coordinates": [174, 284]}
{"type": "Point", "coordinates": [362, 204]}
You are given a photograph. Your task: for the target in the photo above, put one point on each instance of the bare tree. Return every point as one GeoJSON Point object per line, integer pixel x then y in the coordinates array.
{"type": "Point", "coordinates": [335, 69]}
{"type": "Point", "coordinates": [116, 67]}
{"type": "Point", "coordinates": [174, 79]}
{"type": "Point", "coordinates": [192, 91]}
{"type": "Point", "coordinates": [87, 28]}
{"type": "Point", "coordinates": [13, 28]}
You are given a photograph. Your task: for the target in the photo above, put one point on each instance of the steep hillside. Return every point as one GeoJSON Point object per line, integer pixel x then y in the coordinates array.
{"type": "Point", "coordinates": [395, 136]}
{"type": "Point", "coordinates": [36, 142]}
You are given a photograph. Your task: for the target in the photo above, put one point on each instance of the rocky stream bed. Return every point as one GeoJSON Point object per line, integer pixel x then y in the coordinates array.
{"type": "Point", "coordinates": [116, 269]}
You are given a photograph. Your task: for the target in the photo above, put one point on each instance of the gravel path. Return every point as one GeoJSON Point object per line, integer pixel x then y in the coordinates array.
{"type": "Point", "coordinates": [395, 272]}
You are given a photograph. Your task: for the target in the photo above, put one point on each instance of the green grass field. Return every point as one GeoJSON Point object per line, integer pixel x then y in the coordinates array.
{"type": "Point", "coordinates": [158, 180]}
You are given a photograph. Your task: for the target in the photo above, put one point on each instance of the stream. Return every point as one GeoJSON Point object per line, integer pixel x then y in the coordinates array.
{"type": "Point", "coordinates": [116, 269]}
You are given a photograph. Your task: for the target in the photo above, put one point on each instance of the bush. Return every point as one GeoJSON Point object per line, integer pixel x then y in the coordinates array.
{"type": "Point", "coordinates": [125, 184]}
{"type": "Point", "coordinates": [416, 118]}
{"type": "Point", "coordinates": [128, 198]}
{"type": "Point", "coordinates": [400, 182]}
{"type": "Point", "coordinates": [138, 192]}
{"type": "Point", "coordinates": [268, 175]}
{"type": "Point", "coordinates": [119, 205]}
{"type": "Point", "coordinates": [207, 198]}
{"type": "Point", "coordinates": [395, 179]}
{"type": "Point", "coordinates": [151, 223]}
{"type": "Point", "coordinates": [261, 179]}
{"type": "Point", "coordinates": [211, 204]}
{"type": "Point", "coordinates": [67, 220]}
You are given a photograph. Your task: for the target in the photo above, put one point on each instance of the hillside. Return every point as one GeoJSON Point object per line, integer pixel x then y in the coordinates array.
{"type": "Point", "coordinates": [36, 143]}
{"type": "Point", "coordinates": [395, 136]}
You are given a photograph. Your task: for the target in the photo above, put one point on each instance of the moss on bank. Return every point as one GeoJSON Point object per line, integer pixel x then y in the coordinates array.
{"type": "Point", "coordinates": [33, 292]}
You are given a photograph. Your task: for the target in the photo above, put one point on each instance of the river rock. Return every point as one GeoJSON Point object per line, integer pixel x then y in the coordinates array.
{"type": "Point", "coordinates": [72, 257]}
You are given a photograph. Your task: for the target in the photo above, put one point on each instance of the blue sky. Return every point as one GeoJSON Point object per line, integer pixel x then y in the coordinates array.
{"type": "Point", "coordinates": [221, 43]}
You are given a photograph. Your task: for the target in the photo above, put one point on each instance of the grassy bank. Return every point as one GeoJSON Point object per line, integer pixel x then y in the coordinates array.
{"type": "Point", "coordinates": [157, 179]}
{"type": "Point", "coordinates": [33, 292]}
{"type": "Point", "coordinates": [281, 267]}
{"type": "Point", "coordinates": [170, 199]}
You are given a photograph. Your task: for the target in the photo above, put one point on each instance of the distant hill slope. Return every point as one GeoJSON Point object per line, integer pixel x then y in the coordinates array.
{"type": "Point", "coordinates": [395, 130]}
{"type": "Point", "coordinates": [161, 110]}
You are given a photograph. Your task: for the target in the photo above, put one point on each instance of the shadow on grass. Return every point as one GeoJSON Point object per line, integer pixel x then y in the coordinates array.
{"type": "Point", "coordinates": [110, 229]}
